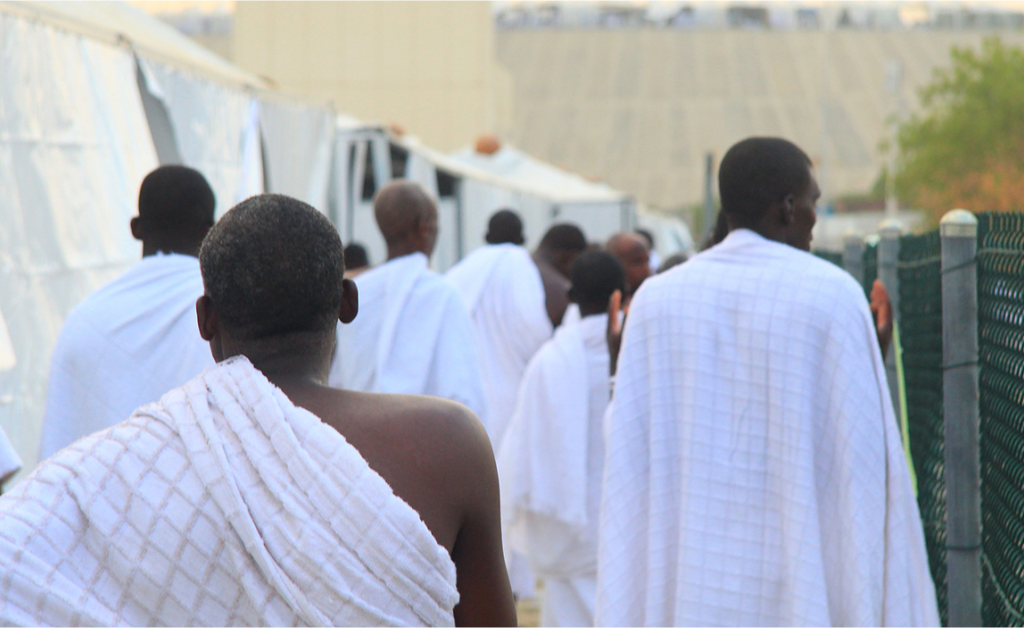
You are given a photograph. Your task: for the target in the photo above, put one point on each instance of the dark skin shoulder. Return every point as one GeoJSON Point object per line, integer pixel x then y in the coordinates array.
{"type": "Point", "coordinates": [436, 456]}
{"type": "Point", "coordinates": [556, 291]}
{"type": "Point", "coordinates": [433, 453]}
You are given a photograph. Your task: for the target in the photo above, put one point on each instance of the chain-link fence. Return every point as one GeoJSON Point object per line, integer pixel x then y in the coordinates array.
{"type": "Point", "coordinates": [920, 285]}
{"type": "Point", "coordinates": [870, 265]}
{"type": "Point", "coordinates": [1001, 413]}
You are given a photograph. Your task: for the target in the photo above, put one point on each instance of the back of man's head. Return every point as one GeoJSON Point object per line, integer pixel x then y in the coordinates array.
{"type": "Point", "coordinates": [646, 235]}
{"type": "Point", "coordinates": [273, 265]}
{"type": "Point", "coordinates": [175, 204]}
{"type": "Point", "coordinates": [564, 237]}
{"type": "Point", "coordinates": [505, 227]}
{"type": "Point", "coordinates": [356, 257]}
{"type": "Point", "coordinates": [759, 172]}
{"type": "Point", "coordinates": [406, 216]}
{"type": "Point", "coordinates": [632, 252]}
{"type": "Point", "coordinates": [561, 245]}
{"type": "Point", "coordinates": [595, 276]}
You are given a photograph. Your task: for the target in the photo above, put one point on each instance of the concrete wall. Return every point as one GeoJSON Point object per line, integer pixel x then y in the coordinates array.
{"type": "Point", "coordinates": [428, 66]}
{"type": "Point", "coordinates": [639, 108]}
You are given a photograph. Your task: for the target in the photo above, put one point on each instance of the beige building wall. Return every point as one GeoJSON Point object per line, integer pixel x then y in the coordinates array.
{"type": "Point", "coordinates": [427, 66]}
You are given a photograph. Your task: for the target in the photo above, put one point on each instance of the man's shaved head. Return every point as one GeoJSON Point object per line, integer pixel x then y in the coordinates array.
{"type": "Point", "coordinates": [632, 252]}
{"type": "Point", "coordinates": [561, 245]}
{"type": "Point", "coordinates": [505, 227]}
{"type": "Point", "coordinates": [273, 265]}
{"type": "Point", "coordinates": [407, 218]}
{"type": "Point", "coordinates": [758, 172]}
{"type": "Point", "coordinates": [595, 276]}
{"type": "Point", "coordinates": [176, 207]}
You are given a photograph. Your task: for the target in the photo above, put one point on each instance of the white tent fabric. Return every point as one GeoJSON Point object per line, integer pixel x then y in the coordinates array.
{"type": "Point", "coordinates": [74, 145]}
{"type": "Point", "coordinates": [298, 143]}
{"type": "Point", "coordinates": [216, 128]}
{"type": "Point", "coordinates": [540, 177]}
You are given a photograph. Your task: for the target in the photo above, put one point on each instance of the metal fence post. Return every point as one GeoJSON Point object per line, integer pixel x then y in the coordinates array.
{"type": "Point", "coordinates": [959, 230]}
{"type": "Point", "coordinates": [888, 255]}
{"type": "Point", "coordinates": [853, 256]}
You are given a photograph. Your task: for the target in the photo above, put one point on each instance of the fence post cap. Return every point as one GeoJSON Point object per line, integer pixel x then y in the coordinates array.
{"type": "Point", "coordinates": [959, 223]}
{"type": "Point", "coordinates": [872, 239]}
{"type": "Point", "coordinates": [890, 228]}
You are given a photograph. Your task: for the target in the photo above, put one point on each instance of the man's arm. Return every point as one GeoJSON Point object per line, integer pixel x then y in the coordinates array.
{"type": "Point", "coordinates": [485, 596]}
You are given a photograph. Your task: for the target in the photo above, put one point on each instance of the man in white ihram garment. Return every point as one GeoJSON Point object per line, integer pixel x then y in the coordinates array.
{"type": "Point", "coordinates": [256, 494]}
{"type": "Point", "coordinates": [754, 472]}
{"type": "Point", "coordinates": [502, 288]}
{"type": "Point", "coordinates": [552, 458]}
{"type": "Point", "coordinates": [413, 336]}
{"type": "Point", "coordinates": [134, 339]}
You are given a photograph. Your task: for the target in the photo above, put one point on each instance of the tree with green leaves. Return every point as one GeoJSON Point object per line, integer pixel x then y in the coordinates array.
{"type": "Point", "coordinates": [966, 147]}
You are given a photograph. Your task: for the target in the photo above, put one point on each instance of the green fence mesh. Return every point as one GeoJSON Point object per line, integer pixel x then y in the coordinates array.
{"type": "Point", "coordinates": [870, 265]}
{"type": "Point", "coordinates": [1001, 405]}
{"type": "Point", "coordinates": [920, 281]}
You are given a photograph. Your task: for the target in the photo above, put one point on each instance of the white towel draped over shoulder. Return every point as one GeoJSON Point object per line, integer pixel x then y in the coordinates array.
{"type": "Point", "coordinates": [223, 504]}
{"type": "Point", "coordinates": [550, 467]}
{"type": "Point", "coordinates": [754, 473]}
{"type": "Point", "coordinates": [412, 336]}
{"type": "Point", "coordinates": [503, 292]}
{"type": "Point", "coordinates": [124, 346]}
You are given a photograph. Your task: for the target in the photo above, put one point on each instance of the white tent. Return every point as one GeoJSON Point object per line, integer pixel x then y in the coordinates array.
{"type": "Point", "coordinates": [566, 197]}
{"type": "Point", "coordinates": [94, 96]}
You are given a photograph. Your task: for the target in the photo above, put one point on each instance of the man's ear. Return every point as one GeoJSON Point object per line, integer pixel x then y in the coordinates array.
{"type": "Point", "coordinates": [349, 301]}
{"type": "Point", "coordinates": [136, 226]}
{"type": "Point", "coordinates": [786, 210]}
{"type": "Point", "coordinates": [209, 322]}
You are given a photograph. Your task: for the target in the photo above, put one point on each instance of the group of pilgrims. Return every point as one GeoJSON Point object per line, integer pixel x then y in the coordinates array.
{"type": "Point", "coordinates": [241, 430]}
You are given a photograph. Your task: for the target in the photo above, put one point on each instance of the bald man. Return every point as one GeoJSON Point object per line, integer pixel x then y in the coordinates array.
{"type": "Point", "coordinates": [413, 334]}
{"type": "Point", "coordinates": [632, 252]}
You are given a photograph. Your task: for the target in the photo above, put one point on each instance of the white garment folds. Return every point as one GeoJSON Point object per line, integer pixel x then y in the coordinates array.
{"type": "Point", "coordinates": [503, 292]}
{"type": "Point", "coordinates": [222, 504]}
{"type": "Point", "coordinates": [412, 336]}
{"type": "Point", "coordinates": [550, 466]}
{"type": "Point", "coordinates": [124, 346]}
{"type": "Point", "coordinates": [754, 473]}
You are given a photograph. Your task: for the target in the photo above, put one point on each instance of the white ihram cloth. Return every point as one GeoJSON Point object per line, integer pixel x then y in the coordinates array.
{"type": "Point", "coordinates": [503, 291]}
{"type": "Point", "coordinates": [124, 346]}
{"type": "Point", "coordinates": [504, 294]}
{"type": "Point", "coordinates": [222, 504]}
{"type": "Point", "coordinates": [412, 336]}
{"type": "Point", "coordinates": [754, 473]}
{"type": "Point", "coordinates": [551, 465]}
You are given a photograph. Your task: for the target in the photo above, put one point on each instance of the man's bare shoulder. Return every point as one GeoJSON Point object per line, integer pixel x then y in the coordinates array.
{"type": "Point", "coordinates": [423, 421]}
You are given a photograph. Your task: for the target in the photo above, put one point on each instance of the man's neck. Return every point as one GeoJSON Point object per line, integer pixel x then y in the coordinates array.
{"type": "Point", "coordinates": [152, 248]}
{"type": "Point", "coordinates": [401, 250]}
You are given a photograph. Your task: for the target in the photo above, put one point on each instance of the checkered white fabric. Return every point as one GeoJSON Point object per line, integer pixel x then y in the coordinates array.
{"type": "Point", "coordinates": [754, 473]}
{"type": "Point", "coordinates": [222, 504]}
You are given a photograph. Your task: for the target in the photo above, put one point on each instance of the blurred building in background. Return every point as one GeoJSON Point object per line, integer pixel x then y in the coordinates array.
{"type": "Point", "coordinates": [427, 66]}
{"type": "Point", "coordinates": [636, 94]}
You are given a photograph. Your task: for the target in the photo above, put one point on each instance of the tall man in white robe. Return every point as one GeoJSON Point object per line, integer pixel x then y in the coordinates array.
{"type": "Point", "coordinates": [502, 288]}
{"type": "Point", "coordinates": [552, 458]}
{"type": "Point", "coordinates": [134, 339]}
{"type": "Point", "coordinates": [413, 336]}
{"type": "Point", "coordinates": [754, 473]}
{"type": "Point", "coordinates": [256, 494]}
